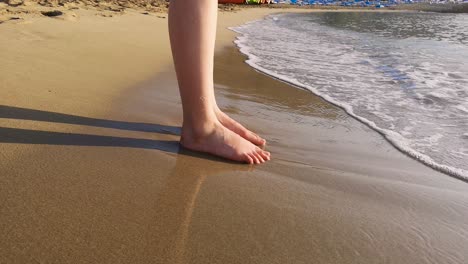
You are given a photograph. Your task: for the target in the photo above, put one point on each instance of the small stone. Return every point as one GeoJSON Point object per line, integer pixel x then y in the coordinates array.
{"type": "Point", "coordinates": [52, 13]}
{"type": "Point", "coordinates": [14, 2]}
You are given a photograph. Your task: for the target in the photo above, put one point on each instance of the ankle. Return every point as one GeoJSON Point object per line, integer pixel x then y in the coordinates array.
{"type": "Point", "coordinates": [195, 131]}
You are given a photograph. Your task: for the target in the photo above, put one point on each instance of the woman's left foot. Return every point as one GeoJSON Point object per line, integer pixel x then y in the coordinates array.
{"type": "Point", "coordinates": [239, 129]}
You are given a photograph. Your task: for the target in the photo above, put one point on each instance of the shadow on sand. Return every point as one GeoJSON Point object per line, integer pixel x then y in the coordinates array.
{"type": "Point", "coordinates": [39, 115]}
{"type": "Point", "coordinates": [27, 136]}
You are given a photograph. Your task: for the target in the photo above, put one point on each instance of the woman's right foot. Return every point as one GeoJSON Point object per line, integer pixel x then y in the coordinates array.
{"type": "Point", "coordinates": [218, 140]}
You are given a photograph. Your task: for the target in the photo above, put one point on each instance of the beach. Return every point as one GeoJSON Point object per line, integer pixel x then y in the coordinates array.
{"type": "Point", "coordinates": [91, 170]}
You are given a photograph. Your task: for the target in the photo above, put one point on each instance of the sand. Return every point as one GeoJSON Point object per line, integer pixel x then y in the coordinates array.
{"type": "Point", "coordinates": [91, 171]}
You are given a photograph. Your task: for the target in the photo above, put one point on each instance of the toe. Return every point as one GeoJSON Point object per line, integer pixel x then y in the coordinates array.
{"type": "Point", "coordinates": [260, 158]}
{"type": "Point", "coordinates": [261, 141]}
{"type": "Point", "coordinates": [265, 155]}
{"type": "Point", "coordinates": [249, 159]}
{"type": "Point", "coordinates": [254, 138]}
{"type": "Point", "coordinates": [255, 158]}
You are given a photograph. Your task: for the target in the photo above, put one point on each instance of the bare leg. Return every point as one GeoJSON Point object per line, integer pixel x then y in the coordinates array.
{"type": "Point", "coordinates": [192, 29]}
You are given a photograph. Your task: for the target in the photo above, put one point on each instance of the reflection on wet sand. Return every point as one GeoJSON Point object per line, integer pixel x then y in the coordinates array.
{"type": "Point", "coordinates": [178, 199]}
{"type": "Point", "coordinates": [260, 88]}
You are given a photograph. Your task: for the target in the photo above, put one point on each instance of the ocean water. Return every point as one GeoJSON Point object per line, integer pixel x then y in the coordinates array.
{"type": "Point", "coordinates": [403, 74]}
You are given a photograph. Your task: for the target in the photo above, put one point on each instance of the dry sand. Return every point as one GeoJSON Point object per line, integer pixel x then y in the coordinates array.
{"type": "Point", "coordinates": [90, 170]}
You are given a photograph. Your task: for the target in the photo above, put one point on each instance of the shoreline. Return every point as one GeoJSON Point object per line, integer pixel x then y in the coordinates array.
{"type": "Point", "coordinates": [91, 170]}
{"type": "Point", "coordinates": [389, 136]}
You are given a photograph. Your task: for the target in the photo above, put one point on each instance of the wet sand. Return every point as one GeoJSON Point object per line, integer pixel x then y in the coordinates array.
{"type": "Point", "coordinates": [91, 172]}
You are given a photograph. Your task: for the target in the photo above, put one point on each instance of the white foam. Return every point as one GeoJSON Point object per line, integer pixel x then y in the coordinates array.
{"type": "Point", "coordinates": [396, 139]}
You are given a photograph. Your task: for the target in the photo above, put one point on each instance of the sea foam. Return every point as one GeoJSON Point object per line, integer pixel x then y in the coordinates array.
{"type": "Point", "coordinates": [391, 85]}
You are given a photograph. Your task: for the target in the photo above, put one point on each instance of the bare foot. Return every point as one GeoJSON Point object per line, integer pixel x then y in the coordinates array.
{"type": "Point", "coordinates": [239, 129]}
{"type": "Point", "coordinates": [220, 141]}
